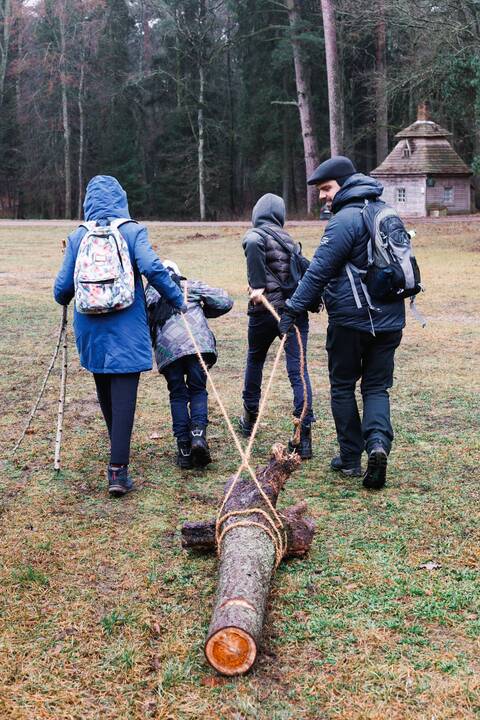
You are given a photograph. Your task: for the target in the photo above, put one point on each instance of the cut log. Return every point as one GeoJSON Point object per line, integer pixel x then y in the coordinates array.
{"type": "Point", "coordinates": [248, 556]}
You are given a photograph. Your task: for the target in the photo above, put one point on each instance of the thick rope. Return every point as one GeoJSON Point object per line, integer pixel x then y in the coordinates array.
{"type": "Point", "coordinates": [279, 539]}
{"type": "Point", "coordinates": [297, 421]}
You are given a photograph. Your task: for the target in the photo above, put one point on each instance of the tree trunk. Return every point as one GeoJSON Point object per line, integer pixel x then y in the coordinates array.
{"type": "Point", "coordinates": [476, 152]}
{"type": "Point", "coordinates": [247, 561]}
{"type": "Point", "coordinates": [201, 124]}
{"type": "Point", "coordinates": [201, 145]}
{"type": "Point", "coordinates": [81, 142]}
{"type": "Point", "coordinates": [5, 17]}
{"type": "Point", "coordinates": [231, 134]}
{"type": "Point", "coordinates": [286, 164]}
{"type": "Point", "coordinates": [305, 107]}
{"type": "Point", "coordinates": [381, 103]}
{"type": "Point", "coordinates": [66, 121]}
{"type": "Point", "coordinates": [333, 77]}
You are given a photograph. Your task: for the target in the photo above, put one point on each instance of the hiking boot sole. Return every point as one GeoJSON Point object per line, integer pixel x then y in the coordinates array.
{"type": "Point", "coordinates": [118, 490]}
{"type": "Point", "coordinates": [376, 473]}
{"type": "Point", "coordinates": [349, 472]}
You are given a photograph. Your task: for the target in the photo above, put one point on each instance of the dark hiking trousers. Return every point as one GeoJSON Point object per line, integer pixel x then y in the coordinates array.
{"type": "Point", "coordinates": [117, 395]}
{"type": "Point", "coordinates": [262, 331]}
{"type": "Point", "coordinates": [187, 385]}
{"type": "Point", "coordinates": [354, 354]}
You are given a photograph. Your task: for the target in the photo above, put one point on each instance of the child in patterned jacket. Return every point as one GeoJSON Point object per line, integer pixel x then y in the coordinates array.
{"type": "Point", "coordinates": [178, 362]}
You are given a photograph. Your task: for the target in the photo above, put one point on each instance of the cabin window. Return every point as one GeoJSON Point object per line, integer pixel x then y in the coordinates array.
{"type": "Point", "coordinates": [401, 195]}
{"type": "Point", "coordinates": [448, 194]}
{"type": "Point", "coordinates": [406, 152]}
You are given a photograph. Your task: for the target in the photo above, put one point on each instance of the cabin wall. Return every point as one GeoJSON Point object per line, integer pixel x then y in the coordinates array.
{"type": "Point", "coordinates": [411, 188]}
{"type": "Point", "coordinates": [452, 193]}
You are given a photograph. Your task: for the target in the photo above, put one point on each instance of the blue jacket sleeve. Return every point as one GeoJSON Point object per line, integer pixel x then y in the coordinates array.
{"type": "Point", "coordinates": [63, 289]}
{"type": "Point", "coordinates": [330, 257]}
{"type": "Point", "coordinates": [150, 265]}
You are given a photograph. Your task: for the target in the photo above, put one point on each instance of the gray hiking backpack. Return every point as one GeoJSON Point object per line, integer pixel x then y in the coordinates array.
{"type": "Point", "coordinates": [392, 273]}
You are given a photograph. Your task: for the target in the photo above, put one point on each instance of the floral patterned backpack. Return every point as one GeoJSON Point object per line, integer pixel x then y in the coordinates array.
{"type": "Point", "coordinates": [103, 277]}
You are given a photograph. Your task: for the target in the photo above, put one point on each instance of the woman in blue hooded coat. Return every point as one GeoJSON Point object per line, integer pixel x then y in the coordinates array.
{"type": "Point", "coordinates": [115, 346]}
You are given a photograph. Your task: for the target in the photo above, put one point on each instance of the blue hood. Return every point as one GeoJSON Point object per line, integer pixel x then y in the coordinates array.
{"type": "Point", "coordinates": [357, 187]}
{"type": "Point", "coordinates": [105, 199]}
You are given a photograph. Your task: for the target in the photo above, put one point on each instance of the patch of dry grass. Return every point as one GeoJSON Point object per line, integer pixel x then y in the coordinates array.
{"type": "Point", "coordinates": [104, 616]}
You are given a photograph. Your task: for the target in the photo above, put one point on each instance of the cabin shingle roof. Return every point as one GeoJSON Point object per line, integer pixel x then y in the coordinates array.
{"type": "Point", "coordinates": [423, 128]}
{"type": "Point", "coordinates": [422, 155]}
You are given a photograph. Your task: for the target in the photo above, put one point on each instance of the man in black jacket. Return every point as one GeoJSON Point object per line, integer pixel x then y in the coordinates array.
{"type": "Point", "coordinates": [268, 269]}
{"type": "Point", "coordinates": [361, 341]}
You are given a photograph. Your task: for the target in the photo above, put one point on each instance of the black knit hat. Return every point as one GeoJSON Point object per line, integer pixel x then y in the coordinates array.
{"type": "Point", "coordinates": [338, 168]}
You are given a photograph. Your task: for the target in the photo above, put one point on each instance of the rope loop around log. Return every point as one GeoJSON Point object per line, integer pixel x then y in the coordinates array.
{"type": "Point", "coordinates": [274, 534]}
{"type": "Point", "coordinates": [278, 534]}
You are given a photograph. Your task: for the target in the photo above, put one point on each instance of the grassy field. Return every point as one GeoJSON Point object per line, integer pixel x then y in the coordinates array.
{"type": "Point", "coordinates": [102, 615]}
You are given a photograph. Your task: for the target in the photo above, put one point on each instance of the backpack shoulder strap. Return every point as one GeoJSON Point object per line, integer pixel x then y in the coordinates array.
{"type": "Point", "coordinates": [115, 224]}
{"type": "Point", "coordinates": [88, 225]}
{"type": "Point", "coordinates": [273, 234]}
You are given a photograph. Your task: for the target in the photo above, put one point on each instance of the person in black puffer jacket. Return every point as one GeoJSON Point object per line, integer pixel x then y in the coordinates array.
{"type": "Point", "coordinates": [268, 268]}
{"type": "Point", "coordinates": [361, 342]}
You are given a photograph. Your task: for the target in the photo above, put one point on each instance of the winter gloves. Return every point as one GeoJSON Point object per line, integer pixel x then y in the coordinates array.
{"type": "Point", "coordinates": [287, 321]}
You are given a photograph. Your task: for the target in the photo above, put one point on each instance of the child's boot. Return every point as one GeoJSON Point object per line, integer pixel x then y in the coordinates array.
{"type": "Point", "coordinates": [304, 447]}
{"type": "Point", "coordinates": [200, 450]}
{"type": "Point", "coordinates": [184, 454]}
{"type": "Point", "coordinates": [247, 421]}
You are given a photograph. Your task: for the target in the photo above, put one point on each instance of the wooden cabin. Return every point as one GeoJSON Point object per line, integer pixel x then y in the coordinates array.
{"type": "Point", "coordinates": [423, 175]}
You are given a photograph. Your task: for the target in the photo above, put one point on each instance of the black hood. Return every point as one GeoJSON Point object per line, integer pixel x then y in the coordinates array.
{"type": "Point", "coordinates": [357, 187]}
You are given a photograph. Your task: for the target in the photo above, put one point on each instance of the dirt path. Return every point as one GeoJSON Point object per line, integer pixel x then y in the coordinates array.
{"type": "Point", "coordinates": [449, 219]}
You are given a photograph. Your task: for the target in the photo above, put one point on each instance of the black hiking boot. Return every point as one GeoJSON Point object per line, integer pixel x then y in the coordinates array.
{"type": "Point", "coordinates": [247, 421]}
{"type": "Point", "coordinates": [352, 468]}
{"type": "Point", "coordinates": [184, 454]}
{"type": "Point", "coordinates": [304, 447]}
{"type": "Point", "coordinates": [376, 472]}
{"type": "Point", "coordinates": [200, 450]}
{"type": "Point", "coordinates": [119, 481]}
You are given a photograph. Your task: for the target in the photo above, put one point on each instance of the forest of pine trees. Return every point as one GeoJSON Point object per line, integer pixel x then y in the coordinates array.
{"type": "Point", "coordinates": [199, 106]}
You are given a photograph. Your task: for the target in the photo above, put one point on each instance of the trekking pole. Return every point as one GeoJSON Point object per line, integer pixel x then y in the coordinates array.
{"type": "Point", "coordinates": [63, 390]}
{"type": "Point", "coordinates": [45, 380]}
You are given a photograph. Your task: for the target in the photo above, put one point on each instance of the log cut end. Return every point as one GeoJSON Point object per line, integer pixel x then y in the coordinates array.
{"type": "Point", "coordinates": [231, 651]}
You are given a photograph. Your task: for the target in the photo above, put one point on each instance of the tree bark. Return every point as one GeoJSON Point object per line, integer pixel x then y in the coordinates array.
{"type": "Point", "coordinates": [81, 139]}
{"type": "Point", "coordinates": [305, 106]}
{"type": "Point", "coordinates": [381, 103]}
{"type": "Point", "coordinates": [65, 116]}
{"type": "Point", "coordinates": [247, 561]}
{"type": "Point", "coordinates": [201, 124]}
{"type": "Point", "coordinates": [333, 77]}
{"type": "Point", "coordinates": [201, 535]}
{"type": "Point", "coordinates": [286, 164]}
{"type": "Point", "coordinates": [4, 45]}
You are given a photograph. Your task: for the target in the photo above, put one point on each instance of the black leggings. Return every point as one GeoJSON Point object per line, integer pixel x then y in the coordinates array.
{"type": "Point", "coordinates": [117, 395]}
